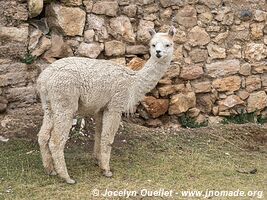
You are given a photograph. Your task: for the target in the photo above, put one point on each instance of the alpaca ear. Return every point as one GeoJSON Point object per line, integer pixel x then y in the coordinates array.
{"type": "Point", "coordinates": [172, 31]}
{"type": "Point", "coordinates": [152, 32]}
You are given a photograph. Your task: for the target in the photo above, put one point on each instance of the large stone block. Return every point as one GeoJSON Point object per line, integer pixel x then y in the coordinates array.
{"type": "Point", "coordinates": [231, 83]}
{"type": "Point", "coordinates": [108, 8]}
{"type": "Point", "coordinates": [155, 107]}
{"type": "Point", "coordinates": [62, 18]}
{"type": "Point", "coordinates": [257, 101]}
{"type": "Point", "coordinates": [180, 103]}
{"type": "Point", "coordinates": [121, 28]}
{"type": "Point", "coordinates": [223, 68]}
{"type": "Point", "coordinates": [114, 48]}
{"type": "Point", "coordinates": [13, 41]}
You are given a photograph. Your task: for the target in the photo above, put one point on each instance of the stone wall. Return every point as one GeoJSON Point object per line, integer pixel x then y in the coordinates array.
{"type": "Point", "coordinates": [219, 66]}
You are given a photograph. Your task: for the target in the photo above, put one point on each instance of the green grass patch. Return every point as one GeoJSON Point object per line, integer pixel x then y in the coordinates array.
{"type": "Point", "coordinates": [189, 122]}
{"type": "Point", "coordinates": [28, 59]}
{"type": "Point", "coordinates": [142, 158]}
{"type": "Point", "coordinates": [244, 118]}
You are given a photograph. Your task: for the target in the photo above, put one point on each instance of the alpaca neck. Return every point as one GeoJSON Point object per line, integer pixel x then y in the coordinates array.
{"type": "Point", "coordinates": [146, 79]}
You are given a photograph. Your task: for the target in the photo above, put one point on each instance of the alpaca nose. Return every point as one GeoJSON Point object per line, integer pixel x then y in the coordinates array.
{"type": "Point", "coordinates": [158, 51]}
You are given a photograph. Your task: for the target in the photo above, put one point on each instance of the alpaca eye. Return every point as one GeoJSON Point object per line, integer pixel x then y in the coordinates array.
{"type": "Point", "coordinates": [153, 45]}
{"type": "Point", "coordinates": [167, 45]}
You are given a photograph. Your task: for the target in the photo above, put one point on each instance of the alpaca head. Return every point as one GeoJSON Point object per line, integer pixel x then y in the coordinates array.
{"type": "Point", "coordinates": [161, 44]}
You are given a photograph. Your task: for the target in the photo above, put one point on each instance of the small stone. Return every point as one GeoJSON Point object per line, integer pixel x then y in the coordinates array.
{"type": "Point", "coordinates": [220, 38]}
{"type": "Point", "coordinates": [165, 14]}
{"type": "Point", "coordinates": [205, 17]}
{"type": "Point", "coordinates": [166, 90]}
{"type": "Point", "coordinates": [214, 120]}
{"type": "Point", "coordinates": [180, 103]}
{"type": "Point", "coordinates": [173, 71]}
{"type": "Point", "coordinates": [225, 16]}
{"type": "Point", "coordinates": [61, 17]}
{"type": "Point", "coordinates": [193, 112]}
{"type": "Point", "coordinates": [192, 72]}
{"type": "Point", "coordinates": [243, 94]}
{"type": "Point", "coordinates": [255, 51]}
{"type": "Point", "coordinates": [253, 83]}
{"type": "Point", "coordinates": [89, 35]}
{"type": "Point", "coordinates": [229, 102]}
{"type": "Point", "coordinates": [223, 68]}
{"type": "Point", "coordinates": [200, 119]}
{"type": "Point", "coordinates": [257, 101]}
{"type": "Point", "coordinates": [231, 83]}
{"type": "Point", "coordinates": [154, 123]}
{"type": "Point", "coordinates": [155, 107]}
{"type": "Point", "coordinates": [59, 49]}
{"type": "Point", "coordinates": [259, 67]}
{"type": "Point", "coordinates": [235, 51]}
{"type": "Point", "coordinates": [136, 64]}
{"type": "Point", "coordinates": [211, 3]}
{"type": "Point", "coordinates": [256, 31]}
{"type": "Point", "coordinates": [187, 16]}
{"type": "Point", "coordinates": [165, 81]}
{"type": "Point", "coordinates": [43, 46]}
{"type": "Point", "coordinates": [260, 15]}
{"type": "Point", "coordinates": [167, 3]}
{"type": "Point", "coordinates": [216, 51]}
{"type": "Point", "coordinates": [205, 102]}
{"type": "Point", "coordinates": [121, 28]}
{"type": "Point", "coordinates": [137, 49]}
{"type": "Point", "coordinates": [198, 36]}
{"type": "Point", "coordinates": [35, 35]}
{"type": "Point", "coordinates": [198, 55]}
{"type": "Point", "coordinates": [97, 23]}
{"type": "Point", "coordinates": [35, 7]}
{"type": "Point", "coordinates": [143, 30]}
{"type": "Point", "coordinates": [180, 37]}
{"type": "Point", "coordinates": [88, 5]}
{"type": "Point", "coordinates": [91, 50]}
{"type": "Point", "coordinates": [245, 69]}
{"type": "Point", "coordinates": [114, 48]}
{"type": "Point", "coordinates": [130, 10]}
{"type": "Point", "coordinates": [108, 8]}
{"type": "Point", "coordinates": [178, 54]}
{"type": "Point", "coordinates": [201, 87]}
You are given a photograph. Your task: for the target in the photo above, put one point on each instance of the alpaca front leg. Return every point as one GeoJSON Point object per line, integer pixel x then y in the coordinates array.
{"type": "Point", "coordinates": [111, 122]}
{"type": "Point", "coordinates": [98, 130]}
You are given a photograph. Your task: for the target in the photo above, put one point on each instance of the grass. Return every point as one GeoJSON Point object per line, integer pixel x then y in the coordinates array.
{"type": "Point", "coordinates": [28, 58]}
{"type": "Point", "coordinates": [244, 118]}
{"type": "Point", "coordinates": [141, 158]}
{"type": "Point", "coordinates": [189, 122]}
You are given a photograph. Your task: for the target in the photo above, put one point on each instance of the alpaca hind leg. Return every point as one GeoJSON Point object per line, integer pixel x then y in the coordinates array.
{"type": "Point", "coordinates": [59, 137]}
{"type": "Point", "coordinates": [111, 122]}
{"type": "Point", "coordinates": [98, 130]}
{"type": "Point", "coordinates": [43, 139]}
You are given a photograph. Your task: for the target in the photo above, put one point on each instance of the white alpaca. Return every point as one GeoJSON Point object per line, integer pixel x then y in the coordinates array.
{"type": "Point", "coordinates": [98, 88]}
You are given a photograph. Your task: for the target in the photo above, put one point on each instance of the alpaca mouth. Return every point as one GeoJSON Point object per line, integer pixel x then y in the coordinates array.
{"type": "Point", "coordinates": [158, 55]}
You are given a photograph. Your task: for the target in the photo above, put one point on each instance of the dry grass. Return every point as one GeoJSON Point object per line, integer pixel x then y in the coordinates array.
{"type": "Point", "coordinates": [199, 159]}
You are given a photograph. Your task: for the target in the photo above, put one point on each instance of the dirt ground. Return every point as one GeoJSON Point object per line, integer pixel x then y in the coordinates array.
{"type": "Point", "coordinates": [214, 159]}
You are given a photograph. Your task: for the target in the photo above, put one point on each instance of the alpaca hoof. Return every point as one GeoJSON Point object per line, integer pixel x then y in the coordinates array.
{"type": "Point", "coordinates": [107, 174]}
{"type": "Point", "coordinates": [53, 173]}
{"type": "Point", "coordinates": [70, 181]}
